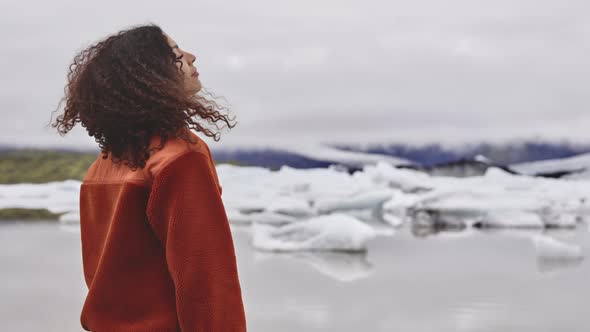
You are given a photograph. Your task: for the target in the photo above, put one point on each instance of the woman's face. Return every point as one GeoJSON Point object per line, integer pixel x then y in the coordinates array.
{"type": "Point", "coordinates": [191, 76]}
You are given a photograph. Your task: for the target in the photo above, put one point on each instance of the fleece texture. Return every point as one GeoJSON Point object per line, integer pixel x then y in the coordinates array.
{"type": "Point", "coordinates": [157, 251]}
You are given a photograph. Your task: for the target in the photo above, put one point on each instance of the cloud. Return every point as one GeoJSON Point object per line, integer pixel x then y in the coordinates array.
{"type": "Point", "coordinates": [335, 70]}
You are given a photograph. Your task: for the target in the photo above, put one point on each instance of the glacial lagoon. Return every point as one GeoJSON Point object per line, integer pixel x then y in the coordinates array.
{"type": "Point", "coordinates": [470, 280]}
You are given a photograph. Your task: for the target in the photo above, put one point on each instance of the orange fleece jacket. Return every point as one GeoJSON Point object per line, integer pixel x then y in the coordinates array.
{"type": "Point", "coordinates": [157, 251]}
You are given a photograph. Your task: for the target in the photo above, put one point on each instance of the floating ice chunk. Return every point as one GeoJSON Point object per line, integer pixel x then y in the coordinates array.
{"type": "Point", "coordinates": [481, 198]}
{"type": "Point", "coordinates": [393, 220]}
{"type": "Point", "coordinates": [373, 218]}
{"type": "Point", "coordinates": [555, 255]}
{"type": "Point", "coordinates": [263, 217]}
{"type": "Point", "coordinates": [399, 202]}
{"type": "Point", "coordinates": [55, 196]}
{"type": "Point", "coordinates": [351, 158]}
{"type": "Point", "coordinates": [550, 248]}
{"type": "Point", "coordinates": [364, 200]}
{"type": "Point", "coordinates": [367, 215]}
{"type": "Point", "coordinates": [575, 163]}
{"type": "Point", "coordinates": [404, 179]}
{"type": "Point", "coordinates": [330, 232]}
{"type": "Point", "coordinates": [267, 217]}
{"type": "Point", "coordinates": [312, 184]}
{"type": "Point", "coordinates": [236, 217]}
{"type": "Point", "coordinates": [245, 202]}
{"type": "Point", "coordinates": [395, 211]}
{"type": "Point", "coordinates": [248, 175]}
{"type": "Point", "coordinates": [290, 206]}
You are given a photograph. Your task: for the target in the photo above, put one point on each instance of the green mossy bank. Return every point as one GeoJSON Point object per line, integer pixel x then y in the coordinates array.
{"type": "Point", "coordinates": [25, 214]}
{"type": "Point", "coordinates": [40, 166]}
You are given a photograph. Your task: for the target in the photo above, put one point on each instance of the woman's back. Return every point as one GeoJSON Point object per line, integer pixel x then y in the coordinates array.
{"type": "Point", "coordinates": [156, 245]}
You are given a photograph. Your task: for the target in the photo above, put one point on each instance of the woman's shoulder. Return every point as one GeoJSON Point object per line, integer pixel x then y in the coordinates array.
{"type": "Point", "coordinates": [173, 148]}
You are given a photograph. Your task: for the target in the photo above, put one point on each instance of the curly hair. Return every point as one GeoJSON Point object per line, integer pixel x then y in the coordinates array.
{"type": "Point", "coordinates": [126, 88]}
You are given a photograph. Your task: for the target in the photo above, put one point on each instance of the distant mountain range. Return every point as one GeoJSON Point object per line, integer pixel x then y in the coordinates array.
{"type": "Point", "coordinates": [354, 157]}
{"type": "Point", "coordinates": [422, 156]}
{"type": "Point", "coordinates": [503, 154]}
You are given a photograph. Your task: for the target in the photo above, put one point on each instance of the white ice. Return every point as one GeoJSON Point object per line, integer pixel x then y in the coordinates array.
{"type": "Point", "coordinates": [350, 158]}
{"type": "Point", "coordinates": [55, 196]}
{"type": "Point", "coordinates": [369, 202]}
{"type": "Point", "coordinates": [336, 231]}
{"type": "Point", "coordinates": [554, 255]}
{"type": "Point", "coordinates": [575, 163]}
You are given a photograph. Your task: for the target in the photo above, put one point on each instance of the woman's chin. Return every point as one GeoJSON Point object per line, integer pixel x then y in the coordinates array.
{"type": "Point", "coordinates": [194, 89]}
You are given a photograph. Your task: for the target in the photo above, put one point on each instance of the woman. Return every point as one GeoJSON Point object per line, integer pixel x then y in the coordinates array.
{"type": "Point", "coordinates": [156, 244]}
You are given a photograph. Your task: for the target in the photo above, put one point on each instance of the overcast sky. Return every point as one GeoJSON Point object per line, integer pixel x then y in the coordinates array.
{"type": "Point", "coordinates": [329, 71]}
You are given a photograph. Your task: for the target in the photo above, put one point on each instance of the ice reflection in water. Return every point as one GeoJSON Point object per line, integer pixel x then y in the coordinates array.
{"type": "Point", "coordinates": [449, 280]}
{"type": "Point", "coordinates": [340, 266]}
{"type": "Point", "coordinates": [472, 280]}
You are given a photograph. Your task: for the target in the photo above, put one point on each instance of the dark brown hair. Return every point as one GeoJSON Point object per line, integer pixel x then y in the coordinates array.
{"type": "Point", "coordinates": [126, 88]}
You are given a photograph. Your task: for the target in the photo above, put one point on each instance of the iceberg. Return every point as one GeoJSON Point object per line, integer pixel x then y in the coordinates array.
{"type": "Point", "coordinates": [550, 248]}
{"type": "Point", "coordinates": [553, 255]}
{"type": "Point", "coordinates": [55, 196]}
{"type": "Point", "coordinates": [348, 158]}
{"type": "Point", "coordinates": [268, 217]}
{"type": "Point", "coordinates": [577, 165]}
{"type": "Point", "coordinates": [322, 208]}
{"type": "Point", "coordinates": [291, 206]}
{"type": "Point", "coordinates": [236, 217]}
{"type": "Point", "coordinates": [337, 231]}
{"type": "Point", "coordinates": [365, 200]}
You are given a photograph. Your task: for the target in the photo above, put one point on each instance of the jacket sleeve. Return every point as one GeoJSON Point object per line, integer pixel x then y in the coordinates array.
{"type": "Point", "coordinates": [187, 214]}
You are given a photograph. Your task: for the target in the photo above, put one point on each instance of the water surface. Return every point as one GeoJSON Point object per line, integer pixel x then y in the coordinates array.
{"type": "Point", "coordinates": [463, 281]}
